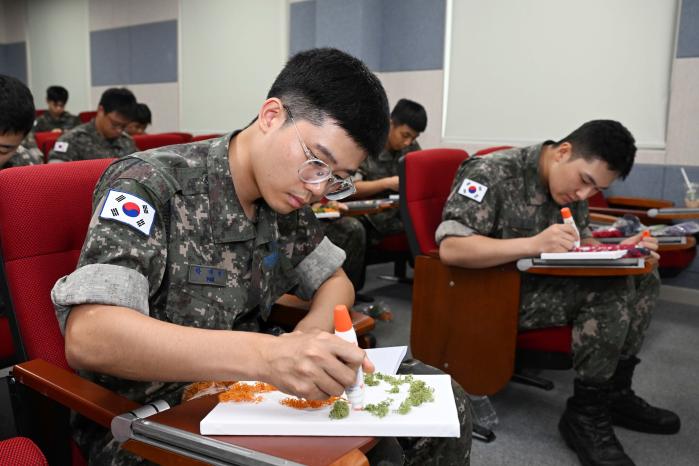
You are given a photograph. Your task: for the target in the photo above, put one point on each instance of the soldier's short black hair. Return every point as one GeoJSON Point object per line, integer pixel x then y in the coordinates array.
{"type": "Point", "coordinates": [16, 106]}
{"type": "Point", "coordinates": [57, 94]}
{"type": "Point", "coordinates": [120, 100]}
{"type": "Point", "coordinates": [141, 114]}
{"type": "Point", "coordinates": [411, 113]}
{"type": "Point", "coordinates": [327, 83]}
{"type": "Point", "coordinates": [608, 140]}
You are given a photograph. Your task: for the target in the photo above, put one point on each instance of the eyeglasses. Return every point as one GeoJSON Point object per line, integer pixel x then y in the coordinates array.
{"type": "Point", "coordinates": [315, 171]}
{"type": "Point", "coordinates": [117, 125]}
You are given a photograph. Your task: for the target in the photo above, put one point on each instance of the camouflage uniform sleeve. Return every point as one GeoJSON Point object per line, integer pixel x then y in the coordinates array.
{"type": "Point", "coordinates": [72, 152]}
{"type": "Point", "coordinates": [463, 216]}
{"type": "Point", "coordinates": [119, 265]}
{"type": "Point", "coordinates": [315, 257]}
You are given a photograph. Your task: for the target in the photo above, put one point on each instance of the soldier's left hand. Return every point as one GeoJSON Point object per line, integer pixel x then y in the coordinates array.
{"type": "Point", "coordinates": [648, 242]}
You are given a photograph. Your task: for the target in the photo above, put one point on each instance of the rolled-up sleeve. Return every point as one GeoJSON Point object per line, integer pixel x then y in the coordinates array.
{"type": "Point", "coordinates": [317, 267]}
{"type": "Point", "coordinates": [118, 265]}
{"type": "Point", "coordinates": [108, 284]}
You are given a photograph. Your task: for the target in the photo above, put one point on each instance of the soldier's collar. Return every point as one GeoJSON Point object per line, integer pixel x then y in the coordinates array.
{"type": "Point", "coordinates": [227, 218]}
{"type": "Point", "coordinates": [537, 192]}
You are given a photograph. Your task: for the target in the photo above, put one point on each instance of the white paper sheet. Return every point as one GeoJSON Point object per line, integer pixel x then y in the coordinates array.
{"type": "Point", "coordinates": [387, 360]}
{"type": "Point", "coordinates": [584, 255]}
{"type": "Point", "coordinates": [269, 417]}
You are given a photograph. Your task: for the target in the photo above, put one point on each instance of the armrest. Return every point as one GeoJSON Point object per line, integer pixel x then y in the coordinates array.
{"type": "Point", "coordinates": [641, 214]}
{"type": "Point", "coordinates": [648, 266]}
{"type": "Point", "coordinates": [68, 389]}
{"type": "Point", "coordinates": [638, 202]}
{"type": "Point", "coordinates": [602, 218]}
{"type": "Point", "coordinates": [289, 310]}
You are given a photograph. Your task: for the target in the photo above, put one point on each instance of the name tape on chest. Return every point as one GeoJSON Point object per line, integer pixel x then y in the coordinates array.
{"type": "Point", "coordinates": [473, 190]}
{"type": "Point", "coordinates": [129, 209]}
{"type": "Point", "coordinates": [60, 146]}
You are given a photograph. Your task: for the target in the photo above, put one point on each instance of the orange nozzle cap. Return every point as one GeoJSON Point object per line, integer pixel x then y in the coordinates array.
{"type": "Point", "coordinates": [343, 322]}
{"type": "Point", "coordinates": [645, 234]}
{"type": "Point", "coordinates": [565, 212]}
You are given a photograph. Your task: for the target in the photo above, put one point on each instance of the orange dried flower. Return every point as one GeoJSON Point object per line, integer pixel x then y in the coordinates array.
{"type": "Point", "coordinates": [300, 403]}
{"type": "Point", "coordinates": [245, 393]}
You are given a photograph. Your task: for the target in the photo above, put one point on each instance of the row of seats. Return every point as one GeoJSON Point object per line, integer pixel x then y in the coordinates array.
{"type": "Point", "coordinates": [46, 140]}
{"type": "Point", "coordinates": [84, 116]}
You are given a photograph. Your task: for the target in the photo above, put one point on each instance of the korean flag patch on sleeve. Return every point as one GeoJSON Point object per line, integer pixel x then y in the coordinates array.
{"type": "Point", "coordinates": [473, 190]}
{"type": "Point", "coordinates": [129, 209]}
{"type": "Point", "coordinates": [60, 146]}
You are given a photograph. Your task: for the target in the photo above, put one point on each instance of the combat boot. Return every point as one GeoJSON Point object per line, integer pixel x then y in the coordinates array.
{"type": "Point", "coordinates": [586, 426]}
{"type": "Point", "coordinates": [633, 412]}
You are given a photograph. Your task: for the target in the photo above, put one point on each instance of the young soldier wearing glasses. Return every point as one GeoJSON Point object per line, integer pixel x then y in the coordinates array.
{"type": "Point", "coordinates": [194, 243]}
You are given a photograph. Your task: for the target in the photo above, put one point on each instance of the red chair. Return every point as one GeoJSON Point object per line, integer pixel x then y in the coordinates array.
{"type": "Point", "coordinates": [86, 116]}
{"type": "Point", "coordinates": [40, 112]}
{"type": "Point", "coordinates": [151, 141]}
{"type": "Point", "coordinates": [186, 137]}
{"type": "Point", "coordinates": [490, 150]}
{"type": "Point", "coordinates": [447, 301]}
{"type": "Point", "coordinates": [45, 140]}
{"type": "Point", "coordinates": [204, 137]}
{"type": "Point", "coordinates": [20, 451]}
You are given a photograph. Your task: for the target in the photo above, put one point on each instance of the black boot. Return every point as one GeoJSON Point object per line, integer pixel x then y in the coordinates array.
{"type": "Point", "coordinates": [586, 426]}
{"type": "Point", "coordinates": [630, 411]}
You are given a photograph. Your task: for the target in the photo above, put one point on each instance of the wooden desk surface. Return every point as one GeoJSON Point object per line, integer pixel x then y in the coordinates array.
{"type": "Point", "coordinates": [649, 265]}
{"type": "Point", "coordinates": [313, 451]}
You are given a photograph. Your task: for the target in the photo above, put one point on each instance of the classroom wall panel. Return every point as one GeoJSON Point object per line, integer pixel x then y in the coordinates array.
{"type": "Point", "coordinates": [302, 33]}
{"type": "Point", "coordinates": [140, 54]}
{"type": "Point", "coordinates": [58, 43]}
{"type": "Point", "coordinates": [13, 60]}
{"type": "Point", "coordinates": [688, 37]}
{"type": "Point", "coordinates": [12, 21]}
{"type": "Point", "coordinates": [230, 54]}
{"type": "Point", "coordinates": [110, 14]}
{"type": "Point", "coordinates": [683, 124]}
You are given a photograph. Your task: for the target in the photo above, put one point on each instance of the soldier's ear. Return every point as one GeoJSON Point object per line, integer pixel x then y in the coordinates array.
{"type": "Point", "coordinates": [564, 151]}
{"type": "Point", "coordinates": [271, 115]}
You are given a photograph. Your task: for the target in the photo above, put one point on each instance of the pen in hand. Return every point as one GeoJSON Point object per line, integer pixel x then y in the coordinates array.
{"type": "Point", "coordinates": [345, 330]}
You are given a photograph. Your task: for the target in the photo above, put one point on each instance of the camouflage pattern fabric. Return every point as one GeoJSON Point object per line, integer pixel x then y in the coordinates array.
{"type": "Point", "coordinates": [348, 234]}
{"type": "Point", "coordinates": [376, 167]}
{"type": "Point", "coordinates": [24, 157]}
{"type": "Point", "coordinates": [84, 142]}
{"type": "Point", "coordinates": [200, 232]}
{"type": "Point", "coordinates": [609, 315]}
{"type": "Point", "coordinates": [64, 122]}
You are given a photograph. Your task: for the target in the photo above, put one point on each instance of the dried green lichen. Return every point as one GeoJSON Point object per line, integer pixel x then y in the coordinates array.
{"type": "Point", "coordinates": [379, 409]}
{"type": "Point", "coordinates": [371, 379]}
{"type": "Point", "coordinates": [340, 410]}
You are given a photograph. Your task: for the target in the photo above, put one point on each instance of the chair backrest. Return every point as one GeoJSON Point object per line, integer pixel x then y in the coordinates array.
{"type": "Point", "coordinates": [186, 137]}
{"type": "Point", "coordinates": [44, 214]}
{"type": "Point", "coordinates": [151, 141]}
{"type": "Point", "coordinates": [86, 116]}
{"type": "Point", "coordinates": [426, 177]}
{"type": "Point", "coordinates": [598, 200]}
{"type": "Point", "coordinates": [45, 140]}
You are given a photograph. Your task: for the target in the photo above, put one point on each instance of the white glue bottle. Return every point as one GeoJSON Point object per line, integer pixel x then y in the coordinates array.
{"type": "Point", "coordinates": [345, 330]}
{"type": "Point", "coordinates": [568, 220]}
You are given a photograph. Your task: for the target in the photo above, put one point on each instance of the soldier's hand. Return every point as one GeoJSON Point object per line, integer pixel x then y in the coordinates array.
{"type": "Point", "coordinates": [313, 365]}
{"type": "Point", "coordinates": [648, 242]}
{"type": "Point", "coordinates": [556, 238]}
{"type": "Point", "coordinates": [391, 183]}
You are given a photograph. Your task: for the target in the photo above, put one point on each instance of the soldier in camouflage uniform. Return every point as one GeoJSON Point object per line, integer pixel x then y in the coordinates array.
{"type": "Point", "coordinates": [56, 117]}
{"type": "Point", "coordinates": [506, 206]}
{"type": "Point", "coordinates": [16, 119]}
{"type": "Point", "coordinates": [103, 137]}
{"type": "Point", "coordinates": [190, 244]}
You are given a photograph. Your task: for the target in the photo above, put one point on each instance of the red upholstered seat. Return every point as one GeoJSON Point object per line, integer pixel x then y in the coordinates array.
{"type": "Point", "coordinates": [490, 150]}
{"type": "Point", "coordinates": [20, 451]}
{"type": "Point", "coordinates": [45, 140]}
{"type": "Point", "coordinates": [40, 248]}
{"type": "Point", "coordinates": [551, 340]}
{"type": "Point", "coordinates": [204, 137]}
{"type": "Point", "coordinates": [87, 116]}
{"type": "Point", "coordinates": [151, 141]}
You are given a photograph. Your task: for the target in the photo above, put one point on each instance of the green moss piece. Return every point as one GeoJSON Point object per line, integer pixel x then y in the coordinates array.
{"type": "Point", "coordinates": [379, 409]}
{"type": "Point", "coordinates": [340, 410]}
{"type": "Point", "coordinates": [372, 380]}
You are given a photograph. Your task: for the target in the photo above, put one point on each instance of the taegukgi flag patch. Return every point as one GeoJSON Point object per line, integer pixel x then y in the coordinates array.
{"type": "Point", "coordinates": [60, 146]}
{"type": "Point", "coordinates": [129, 209]}
{"type": "Point", "coordinates": [473, 190]}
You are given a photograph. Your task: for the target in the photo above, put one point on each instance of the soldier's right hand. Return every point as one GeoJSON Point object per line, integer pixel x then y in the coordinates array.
{"type": "Point", "coordinates": [392, 183]}
{"type": "Point", "coordinates": [314, 365]}
{"type": "Point", "coordinates": [558, 237]}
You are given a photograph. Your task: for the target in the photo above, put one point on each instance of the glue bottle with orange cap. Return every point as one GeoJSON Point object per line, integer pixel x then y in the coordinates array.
{"type": "Point", "coordinates": [568, 220]}
{"type": "Point", "coordinates": [345, 330]}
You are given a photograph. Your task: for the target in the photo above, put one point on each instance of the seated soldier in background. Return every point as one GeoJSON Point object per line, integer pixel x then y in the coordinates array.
{"type": "Point", "coordinates": [102, 137]}
{"type": "Point", "coordinates": [506, 206]}
{"type": "Point", "coordinates": [56, 118]}
{"type": "Point", "coordinates": [190, 245]}
{"type": "Point", "coordinates": [141, 120]}
{"type": "Point", "coordinates": [16, 120]}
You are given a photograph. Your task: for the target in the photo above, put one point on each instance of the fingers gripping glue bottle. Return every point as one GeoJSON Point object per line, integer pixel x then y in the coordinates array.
{"type": "Point", "coordinates": [568, 220]}
{"type": "Point", "coordinates": [345, 330]}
